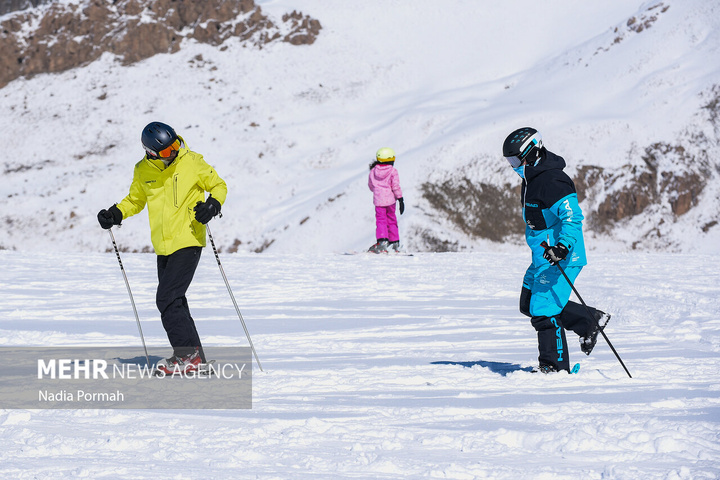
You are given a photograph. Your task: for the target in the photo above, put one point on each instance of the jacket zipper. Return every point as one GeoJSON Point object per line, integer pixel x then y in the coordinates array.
{"type": "Point", "coordinates": [524, 200]}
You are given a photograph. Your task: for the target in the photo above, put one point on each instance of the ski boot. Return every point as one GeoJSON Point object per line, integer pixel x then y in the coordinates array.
{"type": "Point", "coordinates": [394, 247]}
{"type": "Point", "coordinates": [179, 364]}
{"type": "Point", "coordinates": [380, 247]}
{"type": "Point", "coordinates": [588, 343]}
{"type": "Point", "coordinates": [545, 369]}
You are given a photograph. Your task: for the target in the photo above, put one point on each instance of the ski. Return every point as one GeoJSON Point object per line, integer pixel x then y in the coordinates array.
{"type": "Point", "coordinates": [574, 369]}
{"type": "Point", "coordinates": [390, 254]}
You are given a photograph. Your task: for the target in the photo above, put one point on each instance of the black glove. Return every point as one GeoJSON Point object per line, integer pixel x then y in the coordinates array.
{"type": "Point", "coordinates": [111, 216]}
{"type": "Point", "coordinates": [554, 254]}
{"type": "Point", "coordinates": [205, 211]}
{"type": "Point", "coordinates": [402, 205]}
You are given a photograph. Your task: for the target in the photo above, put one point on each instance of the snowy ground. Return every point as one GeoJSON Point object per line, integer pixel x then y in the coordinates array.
{"type": "Point", "coordinates": [366, 370]}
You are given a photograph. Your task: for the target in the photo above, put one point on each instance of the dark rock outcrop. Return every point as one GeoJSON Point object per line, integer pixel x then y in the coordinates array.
{"type": "Point", "coordinates": [58, 37]}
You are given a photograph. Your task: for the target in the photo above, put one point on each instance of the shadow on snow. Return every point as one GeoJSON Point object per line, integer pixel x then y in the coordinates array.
{"type": "Point", "coordinates": [503, 368]}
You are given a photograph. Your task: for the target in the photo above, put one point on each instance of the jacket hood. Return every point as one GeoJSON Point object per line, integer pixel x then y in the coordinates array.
{"type": "Point", "coordinates": [381, 172]}
{"type": "Point", "coordinates": [548, 161]}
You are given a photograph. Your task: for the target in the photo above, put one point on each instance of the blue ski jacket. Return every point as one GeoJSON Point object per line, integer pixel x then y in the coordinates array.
{"type": "Point", "coordinates": [551, 211]}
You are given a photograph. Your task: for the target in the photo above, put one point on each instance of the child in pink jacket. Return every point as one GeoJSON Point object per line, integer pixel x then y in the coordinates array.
{"type": "Point", "coordinates": [384, 182]}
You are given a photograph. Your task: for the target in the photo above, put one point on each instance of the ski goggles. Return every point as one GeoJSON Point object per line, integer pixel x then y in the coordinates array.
{"type": "Point", "coordinates": [166, 152]}
{"type": "Point", "coordinates": [515, 161]}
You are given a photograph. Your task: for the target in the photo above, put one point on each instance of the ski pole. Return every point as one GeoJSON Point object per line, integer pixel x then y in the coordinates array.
{"type": "Point", "coordinates": [545, 246]}
{"type": "Point", "coordinates": [127, 284]}
{"type": "Point", "coordinates": [232, 297]}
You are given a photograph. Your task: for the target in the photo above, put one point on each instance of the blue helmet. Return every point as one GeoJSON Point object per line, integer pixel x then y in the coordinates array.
{"type": "Point", "coordinates": [157, 136]}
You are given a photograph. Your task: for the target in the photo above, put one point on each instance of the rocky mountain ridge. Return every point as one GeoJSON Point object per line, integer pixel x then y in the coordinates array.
{"type": "Point", "coordinates": [665, 185]}
{"type": "Point", "coordinates": [60, 36]}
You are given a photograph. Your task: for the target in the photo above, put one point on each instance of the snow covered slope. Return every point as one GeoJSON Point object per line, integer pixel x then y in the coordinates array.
{"type": "Point", "coordinates": [382, 367]}
{"type": "Point", "coordinates": [292, 129]}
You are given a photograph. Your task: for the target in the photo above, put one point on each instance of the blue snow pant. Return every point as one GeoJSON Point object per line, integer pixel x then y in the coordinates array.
{"type": "Point", "coordinates": [175, 272]}
{"type": "Point", "coordinates": [545, 298]}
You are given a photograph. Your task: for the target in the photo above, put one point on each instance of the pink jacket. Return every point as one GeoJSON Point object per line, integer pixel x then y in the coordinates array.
{"type": "Point", "coordinates": [384, 182]}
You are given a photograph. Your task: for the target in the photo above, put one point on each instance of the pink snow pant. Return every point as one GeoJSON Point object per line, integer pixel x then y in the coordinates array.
{"type": "Point", "coordinates": [386, 225]}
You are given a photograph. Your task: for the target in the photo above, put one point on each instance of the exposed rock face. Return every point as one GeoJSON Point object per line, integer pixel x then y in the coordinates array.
{"type": "Point", "coordinates": [669, 177]}
{"type": "Point", "coordinates": [668, 183]}
{"type": "Point", "coordinates": [478, 209]}
{"type": "Point", "coordinates": [62, 36]}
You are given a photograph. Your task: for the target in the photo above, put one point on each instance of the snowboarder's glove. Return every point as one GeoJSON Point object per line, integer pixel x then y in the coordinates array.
{"type": "Point", "coordinates": [205, 211]}
{"type": "Point", "coordinates": [108, 218]}
{"type": "Point", "coordinates": [555, 254]}
{"type": "Point", "coordinates": [402, 205]}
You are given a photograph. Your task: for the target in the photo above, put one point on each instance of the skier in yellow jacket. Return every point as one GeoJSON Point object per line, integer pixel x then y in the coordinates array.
{"type": "Point", "coordinates": [172, 180]}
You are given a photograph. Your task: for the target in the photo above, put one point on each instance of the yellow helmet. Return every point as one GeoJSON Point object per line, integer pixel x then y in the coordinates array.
{"type": "Point", "coordinates": [385, 155]}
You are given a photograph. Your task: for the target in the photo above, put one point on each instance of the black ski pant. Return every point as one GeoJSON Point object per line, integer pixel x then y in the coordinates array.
{"type": "Point", "coordinates": [552, 343]}
{"type": "Point", "coordinates": [175, 272]}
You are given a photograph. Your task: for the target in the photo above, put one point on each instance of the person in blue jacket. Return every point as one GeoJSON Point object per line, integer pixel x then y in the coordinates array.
{"type": "Point", "coordinates": [554, 234]}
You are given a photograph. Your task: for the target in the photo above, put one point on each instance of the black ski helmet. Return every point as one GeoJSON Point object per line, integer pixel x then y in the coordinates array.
{"type": "Point", "coordinates": [521, 145]}
{"type": "Point", "coordinates": [157, 136]}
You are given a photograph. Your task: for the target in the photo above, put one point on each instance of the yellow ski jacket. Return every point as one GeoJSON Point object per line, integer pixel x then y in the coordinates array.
{"type": "Point", "coordinates": [171, 193]}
